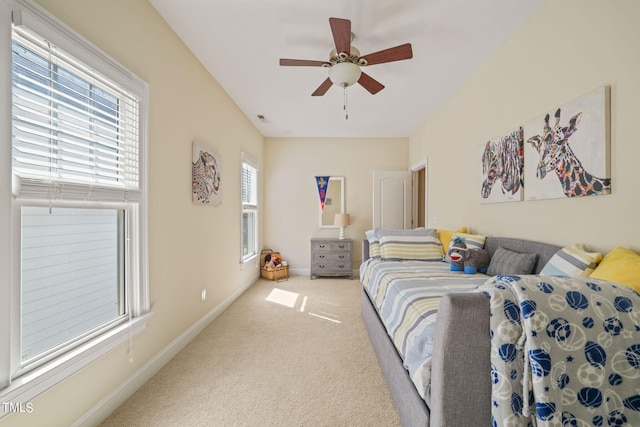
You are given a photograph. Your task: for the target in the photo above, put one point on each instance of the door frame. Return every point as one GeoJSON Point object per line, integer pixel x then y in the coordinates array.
{"type": "Point", "coordinates": [415, 187]}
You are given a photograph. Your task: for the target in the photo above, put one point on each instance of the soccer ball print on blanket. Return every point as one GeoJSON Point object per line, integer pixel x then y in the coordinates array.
{"type": "Point", "coordinates": [564, 351]}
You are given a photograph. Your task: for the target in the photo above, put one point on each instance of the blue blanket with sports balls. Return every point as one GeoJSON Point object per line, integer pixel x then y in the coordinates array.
{"type": "Point", "coordinates": [564, 351]}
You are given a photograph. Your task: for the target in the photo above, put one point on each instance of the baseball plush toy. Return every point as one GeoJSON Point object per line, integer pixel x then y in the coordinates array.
{"type": "Point", "coordinates": [468, 260]}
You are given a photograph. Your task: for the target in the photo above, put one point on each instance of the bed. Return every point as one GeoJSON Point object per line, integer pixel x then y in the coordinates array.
{"type": "Point", "coordinates": [459, 385]}
{"type": "Point", "coordinates": [550, 336]}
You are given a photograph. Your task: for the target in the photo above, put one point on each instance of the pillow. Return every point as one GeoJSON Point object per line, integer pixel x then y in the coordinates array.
{"type": "Point", "coordinates": [374, 244]}
{"type": "Point", "coordinates": [445, 236]}
{"type": "Point", "coordinates": [621, 265]}
{"type": "Point", "coordinates": [505, 262]}
{"type": "Point", "coordinates": [374, 235]}
{"type": "Point", "coordinates": [573, 261]}
{"type": "Point", "coordinates": [380, 232]}
{"type": "Point", "coordinates": [472, 240]}
{"type": "Point", "coordinates": [414, 248]}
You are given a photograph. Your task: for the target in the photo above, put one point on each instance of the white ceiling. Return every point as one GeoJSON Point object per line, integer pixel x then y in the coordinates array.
{"type": "Point", "coordinates": [240, 42]}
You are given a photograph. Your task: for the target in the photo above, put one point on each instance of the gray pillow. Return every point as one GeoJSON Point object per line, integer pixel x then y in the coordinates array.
{"type": "Point", "coordinates": [505, 262]}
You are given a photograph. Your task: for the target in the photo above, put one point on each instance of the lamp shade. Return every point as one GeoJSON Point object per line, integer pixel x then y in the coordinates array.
{"type": "Point", "coordinates": [344, 74]}
{"type": "Point", "coordinates": [342, 219]}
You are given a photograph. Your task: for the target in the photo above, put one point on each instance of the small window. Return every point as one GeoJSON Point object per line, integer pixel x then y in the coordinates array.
{"type": "Point", "coordinates": [249, 209]}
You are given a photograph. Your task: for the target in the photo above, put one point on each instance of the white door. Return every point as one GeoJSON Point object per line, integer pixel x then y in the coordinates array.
{"type": "Point", "coordinates": [392, 199]}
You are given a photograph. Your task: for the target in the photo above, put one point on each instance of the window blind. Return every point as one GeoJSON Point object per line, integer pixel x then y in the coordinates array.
{"type": "Point", "coordinates": [76, 133]}
{"type": "Point", "coordinates": [249, 184]}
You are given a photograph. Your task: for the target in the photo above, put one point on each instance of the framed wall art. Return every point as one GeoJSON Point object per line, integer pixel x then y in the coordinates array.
{"type": "Point", "coordinates": [206, 177]}
{"type": "Point", "coordinates": [501, 168]}
{"type": "Point", "coordinates": [567, 149]}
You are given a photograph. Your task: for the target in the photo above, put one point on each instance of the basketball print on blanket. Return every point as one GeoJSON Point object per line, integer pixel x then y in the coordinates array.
{"type": "Point", "coordinates": [565, 351]}
{"type": "Point", "coordinates": [566, 150]}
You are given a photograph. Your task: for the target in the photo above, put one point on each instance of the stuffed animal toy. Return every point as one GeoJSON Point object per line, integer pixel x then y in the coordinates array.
{"type": "Point", "coordinates": [271, 262]}
{"type": "Point", "coordinates": [468, 260]}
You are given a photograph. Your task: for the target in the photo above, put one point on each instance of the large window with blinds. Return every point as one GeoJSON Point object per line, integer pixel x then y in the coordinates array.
{"type": "Point", "coordinates": [249, 208]}
{"type": "Point", "coordinates": [79, 275]}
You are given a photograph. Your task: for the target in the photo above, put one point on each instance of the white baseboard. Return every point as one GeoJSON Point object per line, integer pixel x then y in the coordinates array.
{"type": "Point", "coordinates": [300, 271]}
{"type": "Point", "coordinates": [117, 397]}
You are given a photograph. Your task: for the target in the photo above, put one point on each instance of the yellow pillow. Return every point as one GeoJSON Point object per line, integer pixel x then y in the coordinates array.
{"type": "Point", "coordinates": [621, 265]}
{"type": "Point", "coordinates": [445, 236]}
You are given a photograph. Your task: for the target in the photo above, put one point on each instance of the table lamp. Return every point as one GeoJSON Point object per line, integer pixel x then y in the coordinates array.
{"type": "Point", "coordinates": [342, 220]}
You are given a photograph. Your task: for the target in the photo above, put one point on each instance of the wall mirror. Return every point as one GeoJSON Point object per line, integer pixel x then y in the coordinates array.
{"type": "Point", "coordinates": [333, 203]}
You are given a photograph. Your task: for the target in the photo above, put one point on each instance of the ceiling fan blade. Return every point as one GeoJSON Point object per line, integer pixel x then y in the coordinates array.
{"type": "Point", "coordinates": [303, 63]}
{"type": "Point", "coordinates": [341, 30]}
{"type": "Point", "coordinates": [397, 53]}
{"type": "Point", "coordinates": [370, 83]}
{"type": "Point", "coordinates": [323, 88]}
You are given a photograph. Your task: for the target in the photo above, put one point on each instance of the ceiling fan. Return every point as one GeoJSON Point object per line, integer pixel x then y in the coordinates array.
{"type": "Point", "coordinates": [345, 61]}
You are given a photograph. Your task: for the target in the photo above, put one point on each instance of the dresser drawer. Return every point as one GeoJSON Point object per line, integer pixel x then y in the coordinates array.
{"type": "Point", "coordinates": [327, 246]}
{"type": "Point", "coordinates": [341, 246]}
{"type": "Point", "coordinates": [331, 267]}
{"type": "Point", "coordinates": [331, 256]}
{"type": "Point", "coordinates": [321, 246]}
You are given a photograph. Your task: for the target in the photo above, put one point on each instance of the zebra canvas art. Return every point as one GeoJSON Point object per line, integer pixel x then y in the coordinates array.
{"type": "Point", "coordinates": [567, 150]}
{"type": "Point", "coordinates": [502, 168]}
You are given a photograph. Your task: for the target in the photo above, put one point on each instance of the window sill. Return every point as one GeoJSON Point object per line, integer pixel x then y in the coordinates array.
{"type": "Point", "coordinates": [251, 261]}
{"type": "Point", "coordinates": [27, 387]}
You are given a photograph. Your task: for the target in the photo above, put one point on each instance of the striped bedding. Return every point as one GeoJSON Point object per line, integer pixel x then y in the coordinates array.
{"type": "Point", "coordinates": [406, 295]}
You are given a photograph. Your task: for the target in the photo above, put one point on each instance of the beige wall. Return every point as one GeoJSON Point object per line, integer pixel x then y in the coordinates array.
{"type": "Point", "coordinates": [190, 247]}
{"type": "Point", "coordinates": [569, 48]}
{"type": "Point", "coordinates": [291, 202]}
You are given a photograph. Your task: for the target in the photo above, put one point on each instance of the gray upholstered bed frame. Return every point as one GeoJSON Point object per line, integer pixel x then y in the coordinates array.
{"type": "Point", "coordinates": [460, 371]}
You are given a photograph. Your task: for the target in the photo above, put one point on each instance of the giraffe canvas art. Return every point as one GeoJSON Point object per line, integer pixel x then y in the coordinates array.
{"type": "Point", "coordinates": [567, 150]}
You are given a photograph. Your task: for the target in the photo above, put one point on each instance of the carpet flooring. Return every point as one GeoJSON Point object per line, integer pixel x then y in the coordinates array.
{"type": "Point", "coordinates": [293, 353]}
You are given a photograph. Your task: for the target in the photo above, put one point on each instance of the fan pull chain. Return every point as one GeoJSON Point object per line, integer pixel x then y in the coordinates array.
{"type": "Point", "coordinates": [346, 104]}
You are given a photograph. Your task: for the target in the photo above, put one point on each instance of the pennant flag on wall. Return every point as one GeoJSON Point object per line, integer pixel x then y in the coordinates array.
{"type": "Point", "coordinates": [323, 183]}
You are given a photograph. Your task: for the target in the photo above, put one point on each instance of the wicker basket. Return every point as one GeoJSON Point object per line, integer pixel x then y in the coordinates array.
{"type": "Point", "coordinates": [279, 274]}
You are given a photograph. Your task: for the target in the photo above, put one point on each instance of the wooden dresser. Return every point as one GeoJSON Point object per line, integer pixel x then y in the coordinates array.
{"type": "Point", "coordinates": [331, 257]}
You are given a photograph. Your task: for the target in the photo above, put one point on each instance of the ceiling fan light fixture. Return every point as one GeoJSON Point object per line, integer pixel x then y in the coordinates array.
{"type": "Point", "coordinates": [345, 61]}
{"type": "Point", "coordinates": [344, 74]}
